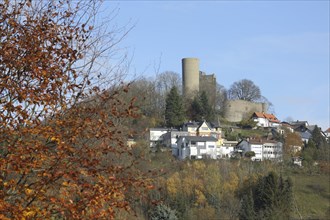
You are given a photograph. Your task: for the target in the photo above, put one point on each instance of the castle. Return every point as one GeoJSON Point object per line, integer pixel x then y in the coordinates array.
{"type": "Point", "coordinates": [194, 81]}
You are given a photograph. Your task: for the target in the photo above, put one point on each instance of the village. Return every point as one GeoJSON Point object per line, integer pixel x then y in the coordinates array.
{"type": "Point", "coordinates": [197, 140]}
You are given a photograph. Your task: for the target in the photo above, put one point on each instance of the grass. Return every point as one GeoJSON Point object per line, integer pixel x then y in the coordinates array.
{"type": "Point", "coordinates": [312, 196]}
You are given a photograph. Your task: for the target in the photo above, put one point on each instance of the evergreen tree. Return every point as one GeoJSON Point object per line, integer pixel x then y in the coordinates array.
{"type": "Point", "coordinates": [247, 207]}
{"type": "Point", "coordinates": [200, 108]}
{"type": "Point", "coordinates": [174, 111]}
{"type": "Point", "coordinates": [271, 199]}
{"type": "Point", "coordinates": [318, 138]}
{"type": "Point", "coordinates": [163, 212]}
{"type": "Point", "coordinates": [196, 110]}
{"type": "Point", "coordinates": [207, 110]}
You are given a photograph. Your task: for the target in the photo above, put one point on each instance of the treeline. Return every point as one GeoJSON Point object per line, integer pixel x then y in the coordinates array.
{"type": "Point", "coordinates": [161, 103]}
{"type": "Point", "coordinates": [222, 190]}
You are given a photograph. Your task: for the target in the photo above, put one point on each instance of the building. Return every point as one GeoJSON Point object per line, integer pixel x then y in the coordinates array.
{"type": "Point", "coordinates": [265, 120]}
{"type": "Point", "coordinates": [195, 81]}
{"type": "Point", "coordinates": [170, 139]}
{"type": "Point", "coordinates": [203, 129]}
{"type": "Point", "coordinates": [327, 133]}
{"type": "Point", "coordinates": [263, 149]}
{"type": "Point", "coordinates": [156, 135]}
{"type": "Point", "coordinates": [225, 151]}
{"type": "Point", "coordinates": [195, 147]}
{"type": "Point", "coordinates": [237, 110]}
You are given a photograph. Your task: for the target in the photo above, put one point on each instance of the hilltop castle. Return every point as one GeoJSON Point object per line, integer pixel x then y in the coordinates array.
{"type": "Point", "coordinates": [194, 81]}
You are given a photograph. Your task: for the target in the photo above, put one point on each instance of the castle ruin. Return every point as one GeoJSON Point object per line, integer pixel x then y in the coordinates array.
{"type": "Point", "coordinates": [195, 81]}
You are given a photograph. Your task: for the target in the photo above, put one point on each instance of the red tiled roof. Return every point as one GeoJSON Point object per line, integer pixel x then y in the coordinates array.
{"type": "Point", "coordinates": [270, 117]}
{"type": "Point", "coordinates": [328, 130]}
{"type": "Point", "coordinates": [261, 141]}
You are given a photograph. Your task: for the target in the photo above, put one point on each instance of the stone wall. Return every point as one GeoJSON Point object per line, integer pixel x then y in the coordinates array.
{"type": "Point", "coordinates": [236, 110]}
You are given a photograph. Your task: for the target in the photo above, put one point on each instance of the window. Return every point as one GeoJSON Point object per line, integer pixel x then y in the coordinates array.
{"type": "Point", "coordinates": [211, 146]}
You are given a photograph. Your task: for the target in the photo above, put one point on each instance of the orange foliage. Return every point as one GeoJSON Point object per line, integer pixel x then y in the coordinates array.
{"type": "Point", "coordinates": [63, 151]}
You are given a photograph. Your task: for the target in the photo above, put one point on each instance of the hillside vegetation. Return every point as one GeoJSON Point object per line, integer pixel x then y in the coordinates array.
{"type": "Point", "coordinates": [209, 189]}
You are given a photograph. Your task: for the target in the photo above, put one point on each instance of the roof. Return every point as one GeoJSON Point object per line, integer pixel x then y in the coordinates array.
{"type": "Point", "coordinates": [311, 127]}
{"type": "Point", "coordinates": [192, 124]}
{"type": "Point", "coordinates": [305, 135]}
{"type": "Point", "coordinates": [199, 138]}
{"type": "Point", "coordinates": [259, 141]}
{"type": "Point", "coordinates": [328, 130]}
{"type": "Point", "coordinates": [256, 141]}
{"type": "Point", "coordinates": [270, 117]}
{"type": "Point", "coordinates": [286, 124]}
{"type": "Point", "coordinates": [298, 123]}
{"type": "Point", "coordinates": [162, 129]}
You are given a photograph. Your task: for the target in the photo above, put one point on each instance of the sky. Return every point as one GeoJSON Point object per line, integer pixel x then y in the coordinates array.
{"type": "Point", "coordinates": [282, 46]}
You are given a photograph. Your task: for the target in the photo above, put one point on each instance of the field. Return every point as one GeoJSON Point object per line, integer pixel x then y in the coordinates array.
{"type": "Point", "coordinates": [312, 196]}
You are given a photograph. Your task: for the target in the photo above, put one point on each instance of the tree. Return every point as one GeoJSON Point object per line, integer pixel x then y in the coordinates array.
{"type": "Point", "coordinates": [270, 197]}
{"type": "Point", "coordinates": [247, 207]}
{"type": "Point", "coordinates": [244, 90]}
{"type": "Point", "coordinates": [220, 99]}
{"type": "Point", "coordinates": [200, 108]}
{"type": "Point", "coordinates": [174, 111]}
{"type": "Point", "coordinates": [207, 109]}
{"type": "Point", "coordinates": [162, 212]}
{"type": "Point", "coordinates": [292, 142]}
{"type": "Point", "coordinates": [63, 151]}
{"type": "Point", "coordinates": [318, 138]}
{"type": "Point", "coordinates": [250, 154]}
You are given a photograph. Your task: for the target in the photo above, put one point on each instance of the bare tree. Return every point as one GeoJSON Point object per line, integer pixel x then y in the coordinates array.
{"type": "Point", "coordinates": [220, 98]}
{"type": "Point", "coordinates": [63, 151]}
{"type": "Point", "coordinates": [244, 90]}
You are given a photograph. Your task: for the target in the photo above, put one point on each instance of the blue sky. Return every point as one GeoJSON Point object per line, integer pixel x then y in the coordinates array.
{"type": "Point", "coordinates": [282, 46]}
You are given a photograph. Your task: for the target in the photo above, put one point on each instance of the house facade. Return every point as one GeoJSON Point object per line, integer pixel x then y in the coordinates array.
{"type": "Point", "coordinates": [196, 147]}
{"type": "Point", "coordinates": [265, 120]}
{"type": "Point", "coordinates": [263, 149]}
{"type": "Point", "coordinates": [225, 151]}
{"type": "Point", "coordinates": [327, 133]}
{"type": "Point", "coordinates": [170, 139]}
{"type": "Point", "coordinates": [156, 135]}
{"type": "Point", "coordinates": [203, 129]}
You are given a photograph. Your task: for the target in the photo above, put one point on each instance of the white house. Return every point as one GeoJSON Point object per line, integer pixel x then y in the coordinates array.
{"type": "Point", "coordinates": [327, 133]}
{"type": "Point", "coordinates": [156, 135]}
{"type": "Point", "coordinates": [196, 147]}
{"type": "Point", "coordinates": [203, 129]}
{"type": "Point", "coordinates": [265, 120]}
{"type": "Point", "coordinates": [170, 139]}
{"type": "Point", "coordinates": [263, 149]}
{"type": "Point", "coordinates": [225, 151]}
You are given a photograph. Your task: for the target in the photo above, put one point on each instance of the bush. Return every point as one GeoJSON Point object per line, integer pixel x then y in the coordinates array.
{"type": "Point", "coordinates": [162, 212]}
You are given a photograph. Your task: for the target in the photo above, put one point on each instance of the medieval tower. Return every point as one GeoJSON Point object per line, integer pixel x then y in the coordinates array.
{"type": "Point", "coordinates": [190, 76]}
{"type": "Point", "coordinates": [194, 80]}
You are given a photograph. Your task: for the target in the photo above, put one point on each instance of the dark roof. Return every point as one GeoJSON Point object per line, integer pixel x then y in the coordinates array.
{"type": "Point", "coordinates": [311, 127]}
{"type": "Point", "coordinates": [298, 123]}
{"type": "Point", "coordinates": [305, 135]}
{"type": "Point", "coordinates": [198, 124]}
{"type": "Point", "coordinates": [200, 138]}
{"type": "Point", "coordinates": [192, 124]}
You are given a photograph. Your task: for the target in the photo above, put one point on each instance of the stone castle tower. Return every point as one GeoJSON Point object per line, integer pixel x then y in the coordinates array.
{"type": "Point", "coordinates": [194, 80]}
